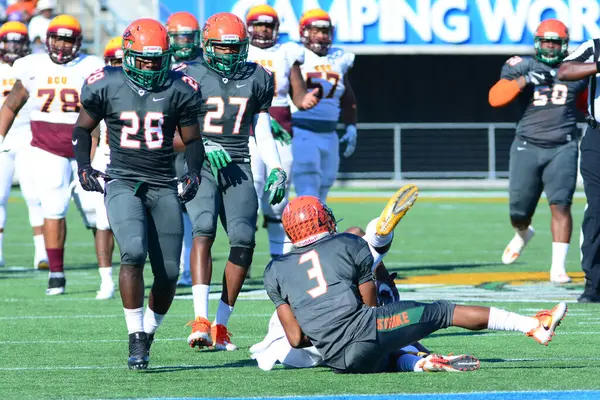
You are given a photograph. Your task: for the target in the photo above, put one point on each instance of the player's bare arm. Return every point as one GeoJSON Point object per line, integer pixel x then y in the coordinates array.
{"type": "Point", "coordinates": [575, 70]}
{"type": "Point", "coordinates": [293, 332]}
{"type": "Point", "coordinates": [15, 100]}
{"type": "Point", "coordinates": [302, 99]}
{"type": "Point", "coordinates": [368, 293]}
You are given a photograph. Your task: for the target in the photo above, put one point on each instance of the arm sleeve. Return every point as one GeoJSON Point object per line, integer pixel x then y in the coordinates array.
{"type": "Point", "coordinates": [261, 125]}
{"type": "Point", "coordinates": [503, 92]}
{"type": "Point", "coordinates": [92, 99]}
{"type": "Point", "coordinates": [584, 53]}
{"type": "Point", "coordinates": [22, 73]}
{"type": "Point", "coordinates": [272, 286]}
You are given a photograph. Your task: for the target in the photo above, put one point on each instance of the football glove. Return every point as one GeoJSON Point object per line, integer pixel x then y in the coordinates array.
{"type": "Point", "coordinates": [387, 292]}
{"type": "Point", "coordinates": [276, 185]}
{"type": "Point", "coordinates": [539, 78]}
{"type": "Point", "coordinates": [216, 155]}
{"type": "Point", "coordinates": [187, 186]}
{"type": "Point", "coordinates": [350, 139]}
{"type": "Point", "coordinates": [88, 177]}
{"type": "Point", "coordinates": [279, 133]}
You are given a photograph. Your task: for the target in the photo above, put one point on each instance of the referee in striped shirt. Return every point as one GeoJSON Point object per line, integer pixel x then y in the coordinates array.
{"type": "Point", "coordinates": [583, 63]}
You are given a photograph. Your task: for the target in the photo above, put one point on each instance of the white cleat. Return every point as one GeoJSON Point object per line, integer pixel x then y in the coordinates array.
{"type": "Point", "coordinates": [559, 277]}
{"type": "Point", "coordinates": [549, 320]}
{"type": "Point", "coordinates": [515, 248]}
{"type": "Point", "coordinates": [107, 291]}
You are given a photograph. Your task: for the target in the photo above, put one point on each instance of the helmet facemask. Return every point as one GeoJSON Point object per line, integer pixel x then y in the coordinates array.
{"type": "Point", "coordinates": [185, 44]}
{"type": "Point", "coordinates": [318, 45]}
{"type": "Point", "coordinates": [13, 46]}
{"type": "Point", "coordinates": [226, 63]}
{"type": "Point", "coordinates": [263, 34]}
{"type": "Point", "coordinates": [151, 78]}
{"type": "Point", "coordinates": [62, 48]}
{"type": "Point", "coordinates": [551, 56]}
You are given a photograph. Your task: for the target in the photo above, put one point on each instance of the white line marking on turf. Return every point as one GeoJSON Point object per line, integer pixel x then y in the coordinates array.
{"type": "Point", "coordinates": [25, 317]}
{"type": "Point", "coordinates": [98, 367]}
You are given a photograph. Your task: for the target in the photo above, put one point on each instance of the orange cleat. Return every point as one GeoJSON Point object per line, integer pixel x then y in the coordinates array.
{"type": "Point", "coordinates": [222, 338]}
{"type": "Point", "coordinates": [200, 336]}
{"type": "Point", "coordinates": [548, 322]}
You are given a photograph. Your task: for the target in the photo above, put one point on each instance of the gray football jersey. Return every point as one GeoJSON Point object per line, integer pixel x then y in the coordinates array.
{"type": "Point", "coordinates": [548, 114]}
{"type": "Point", "coordinates": [141, 124]}
{"type": "Point", "coordinates": [230, 103]}
{"type": "Point", "coordinates": [320, 283]}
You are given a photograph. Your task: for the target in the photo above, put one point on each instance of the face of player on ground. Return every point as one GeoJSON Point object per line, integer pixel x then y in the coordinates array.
{"type": "Point", "coordinates": [320, 39]}
{"type": "Point", "coordinates": [262, 35]}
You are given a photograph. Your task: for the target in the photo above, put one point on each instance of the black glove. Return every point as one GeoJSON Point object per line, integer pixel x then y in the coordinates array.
{"type": "Point", "coordinates": [387, 292]}
{"type": "Point", "coordinates": [187, 186]}
{"type": "Point", "coordinates": [539, 78]}
{"type": "Point", "coordinates": [88, 177]}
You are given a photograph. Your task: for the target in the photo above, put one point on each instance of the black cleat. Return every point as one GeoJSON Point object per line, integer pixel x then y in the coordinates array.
{"type": "Point", "coordinates": [139, 346]}
{"type": "Point", "coordinates": [56, 286]}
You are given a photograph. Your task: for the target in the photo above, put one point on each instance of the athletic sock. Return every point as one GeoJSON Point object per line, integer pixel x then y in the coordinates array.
{"type": "Point", "coordinates": [200, 298]}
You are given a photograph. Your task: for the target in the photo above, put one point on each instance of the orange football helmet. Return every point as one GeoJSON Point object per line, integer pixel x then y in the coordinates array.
{"type": "Point", "coordinates": [307, 219]}
{"type": "Point", "coordinates": [146, 53]}
{"type": "Point", "coordinates": [316, 31]}
{"type": "Point", "coordinates": [14, 41]}
{"type": "Point", "coordinates": [63, 39]}
{"type": "Point", "coordinates": [184, 33]}
{"type": "Point", "coordinates": [263, 15]}
{"type": "Point", "coordinates": [225, 31]}
{"type": "Point", "coordinates": [113, 52]}
{"type": "Point", "coordinates": [551, 30]}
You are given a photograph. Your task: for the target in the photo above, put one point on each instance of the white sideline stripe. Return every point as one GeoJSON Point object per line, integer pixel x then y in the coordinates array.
{"type": "Point", "coordinates": [23, 317]}
{"type": "Point", "coordinates": [104, 367]}
{"type": "Point", "coordinates": [243, 337]}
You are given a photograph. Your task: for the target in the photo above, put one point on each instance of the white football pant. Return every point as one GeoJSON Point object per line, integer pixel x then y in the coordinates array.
{"type": "Point", "coordinates": [316, 162]}
{"type": "Point", "coordinates": [19, 159]}
{"type": "Point", "coordinates": [278, 241]}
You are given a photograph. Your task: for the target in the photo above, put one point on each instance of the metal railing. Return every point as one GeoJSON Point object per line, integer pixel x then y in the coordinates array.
{"type": "Point", "coordinates": [424, 150]}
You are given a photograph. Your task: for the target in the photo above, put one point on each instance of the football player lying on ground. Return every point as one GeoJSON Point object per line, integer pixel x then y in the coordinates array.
{"type": "Point", "coordinates": [413, 358]}
{"type": "Point", "coordinates": [325, 295]}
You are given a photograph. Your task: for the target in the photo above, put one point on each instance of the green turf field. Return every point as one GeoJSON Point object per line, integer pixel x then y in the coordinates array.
{"type": "Point", "coordinates": [74, 346]}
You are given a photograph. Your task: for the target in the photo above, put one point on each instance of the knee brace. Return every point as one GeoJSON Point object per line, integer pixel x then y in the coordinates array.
{"type": "Point", "coordinates": [133, 252]}
{"type": "Point", "coordinates": [241, 256]}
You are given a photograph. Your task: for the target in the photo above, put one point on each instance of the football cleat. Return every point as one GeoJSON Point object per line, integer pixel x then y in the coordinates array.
{"type": "Point", "coordinates": [548, 322]}
{"type": "Point", "coordinates": [185, 280]}
{"type": "Point", "coordinates": [139, 347]}
{"type": "Point", "coordinates": [107, 291]}
{"type": "Point", "coordinates": [439, 363]}
{"type": "Point", "coordinates": [56, 286]}
{"type": "Point", "coordinates": [396, 208]}
{"type": "Point", "coordinates": [515, 247]}
{"type": "Point", "coordinates": [41, 264]}
{"type": "Point", "coordinates": [560, 277]}
{"type": "Point", "coordinates": [222, 338]}
{"type": "Point", "coordinates": [200, 336]}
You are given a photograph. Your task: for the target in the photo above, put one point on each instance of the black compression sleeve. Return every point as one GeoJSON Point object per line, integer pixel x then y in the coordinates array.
{"type": "Point", "coordinates": [194, 154]}
{"type": "Point", "coordinates": [82, 145]}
